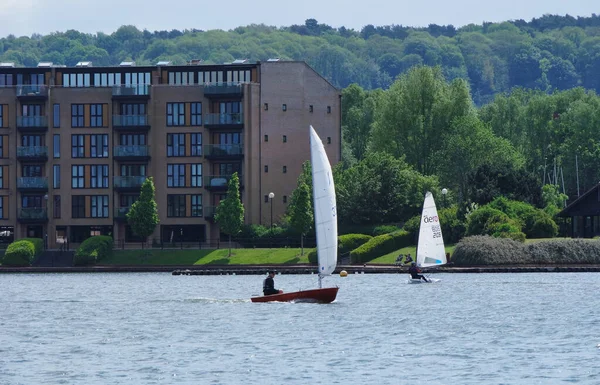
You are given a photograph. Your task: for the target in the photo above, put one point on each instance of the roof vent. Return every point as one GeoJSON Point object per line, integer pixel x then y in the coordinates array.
{"type": "Point", "coordinates": [240, 61]}
{"type": "Point", "coordinates": [273, 59]}
{"type": "Point", "coordinates": [127, 64]}
{"type": "Point", "coordinates": [195, 62]}
{"type": "Point", "coordinates": [7, 65]}
{"type": "Point", "coordinates": [84, 64]}
{"type": "Point", "coordinates": [163, 63]}
{"type": "Point", "coordinates": [44, 64]}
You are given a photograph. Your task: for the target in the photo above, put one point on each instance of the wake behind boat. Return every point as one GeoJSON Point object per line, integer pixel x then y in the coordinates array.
{"type": "Point", "coordinates": [325, 225]}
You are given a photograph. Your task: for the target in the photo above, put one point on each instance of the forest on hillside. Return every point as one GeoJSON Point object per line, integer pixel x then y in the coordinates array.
{"type": "Point", "coordinates": [547, 53]}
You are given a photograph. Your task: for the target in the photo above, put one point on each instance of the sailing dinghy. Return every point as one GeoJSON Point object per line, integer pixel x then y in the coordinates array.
{"type": "Point", "coordinates": [430, 248]}
{"type": "Point", "coordinates": [325, 225]}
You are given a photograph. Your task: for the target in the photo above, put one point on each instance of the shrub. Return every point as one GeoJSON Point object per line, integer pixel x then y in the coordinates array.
{"type": "Point", "coordinates": [346, 243]}
{"type": "Point", "coordinates": [19, 253]}
{"type": "Point", "coordinates": [38, 245]}
{"type": "Point", "coordinates": [385, 229]}
{"type": "Point", "coordinates": [93, 250]}
{"type": "Point", "coordinates": [380, 245]}
{"type": "Point", "coordinates": [541, 225]}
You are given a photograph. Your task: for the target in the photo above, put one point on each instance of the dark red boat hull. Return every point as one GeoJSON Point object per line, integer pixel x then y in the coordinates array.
{"type": "Point", "coordinates": [326, 295]}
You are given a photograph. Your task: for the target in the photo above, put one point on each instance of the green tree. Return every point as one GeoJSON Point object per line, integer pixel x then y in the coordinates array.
{"type": "Point", "coordinates": [230, 212]}
{"type": "Point", "coordinates": [143, 215]}
{"type": "Point", "coordinates": [301, 211]}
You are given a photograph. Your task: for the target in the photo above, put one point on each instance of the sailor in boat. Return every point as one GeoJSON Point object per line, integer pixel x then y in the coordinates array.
{"type": "Point", "coordinates": [269, 284]}
{"type": "Point", "coordinates": [414, 272]}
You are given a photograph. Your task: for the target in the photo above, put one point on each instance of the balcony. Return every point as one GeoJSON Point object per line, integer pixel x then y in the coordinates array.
{"type": "Point", "coordinates": [121, 214]}
{"type": "Point", "coordinates": [32, 123]}
{"type": "Point", "coordinates": [209, 212]}
{"type": "Point", "coordinates": [130, 122]}
{"type": "Point", "coordinates": [224, 151]}
{"type": "Point", "coordinates": [224, 120]}
{"type": "Point", "coordinates": [128, 183]}
{"type": "Point", "coordinates": [31, 92]}
{"type": "Point", "coordinates": [32, 184]}
{"type": "Point", "coordinates": [32, 215]}
{"type": "Point", "coordinates": [132, 92]}
{"type": "Point", "coordinates": [133, 152]}
{"type": "Point", "coordinates": [223, 90]}
{"type": "Point", "coordinates": [32, 153]}
{"type": "Point", "coordinates": [219, 182]}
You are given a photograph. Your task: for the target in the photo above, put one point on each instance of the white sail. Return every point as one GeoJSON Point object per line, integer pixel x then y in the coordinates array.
{"type": "Point", "coordinates": [430, 249]}
{"type": "Point", "coordinates": [324, 206]}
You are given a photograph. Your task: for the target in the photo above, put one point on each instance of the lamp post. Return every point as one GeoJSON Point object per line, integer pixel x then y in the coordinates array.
{"type": "Point", "coordinates": [444, 192]}
{"type": "Point", "coordinates": [271, 196]}
{"type": "Point", "coordinates": [46, 237]}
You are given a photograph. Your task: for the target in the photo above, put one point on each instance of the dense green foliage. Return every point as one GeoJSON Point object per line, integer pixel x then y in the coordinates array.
{"type": "Point", "coordinates": [230, 212]}
{"type": "Point", "coordinates": [143, 215]}
{"type": "Point", "coordinates": [550, 52]}
{"type": "Point", "coordinates": [93, 250]}
{"type": "Point", "coordinates": [485, 250]}
{"type": "Point", "coordinates": [301, 210]}
{"type": "Point", "coordinates": [380, 245]}
{"type": "Point", "coordinates": [23, 252]}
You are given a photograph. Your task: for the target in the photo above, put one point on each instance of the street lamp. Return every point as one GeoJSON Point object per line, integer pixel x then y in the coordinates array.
{"type": "Point", "coordinates": [271, 196]}
{"type": "Point", "coordinates": [444, 192]}
{"type": "Point", "coordinates": [46, 237]}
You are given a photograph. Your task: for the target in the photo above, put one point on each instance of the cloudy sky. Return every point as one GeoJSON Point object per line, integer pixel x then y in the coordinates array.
{"type": "Point", "coordinates": [24, 17]}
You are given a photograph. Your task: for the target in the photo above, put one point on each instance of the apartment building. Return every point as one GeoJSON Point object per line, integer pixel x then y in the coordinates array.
{"type": "Point", "coordinates": [77, 143]}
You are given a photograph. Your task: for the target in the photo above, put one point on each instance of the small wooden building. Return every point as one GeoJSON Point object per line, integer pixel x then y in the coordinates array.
{"type": "Point", "coordinates": [585, 214]}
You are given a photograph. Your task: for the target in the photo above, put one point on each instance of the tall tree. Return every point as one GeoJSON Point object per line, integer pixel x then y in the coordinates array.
{"type": "Point", "coordinates": [143, 215]}
{"type": "Point", "coordinates": [301, 211]}
{"type": "Point", "coordinates": [230, 212]}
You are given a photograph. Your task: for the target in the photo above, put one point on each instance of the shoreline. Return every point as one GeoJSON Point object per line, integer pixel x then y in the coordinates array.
{"type": "Point", "coordinates": [294, 269]}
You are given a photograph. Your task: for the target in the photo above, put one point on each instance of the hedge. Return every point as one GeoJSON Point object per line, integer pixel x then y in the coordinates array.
{"type": "Point", "coordinates": [93, 250]}
{"type": "Point", "coordinates": [346, 243]}
{"type": "Point", "coordinates": [381, 245]}
{"type": "Point", "coordinates": [23, 252]}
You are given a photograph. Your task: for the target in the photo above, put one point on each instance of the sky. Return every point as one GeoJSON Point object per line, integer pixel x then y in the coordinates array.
{"type": "Point", "coordinates": [24, 17]}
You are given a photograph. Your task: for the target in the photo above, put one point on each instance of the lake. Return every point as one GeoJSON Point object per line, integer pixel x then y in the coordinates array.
{"type": "Point", "coordinates": [155, 328]}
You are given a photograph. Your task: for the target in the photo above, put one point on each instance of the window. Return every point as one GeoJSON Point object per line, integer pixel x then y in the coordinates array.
{"type": "Point", "coordinates": [78, 206]}
{"type": "Point", "coordinates": [99, 205]}
{"type": "Point", "coordinates": [99, 176]}
{"type": "Point", "coordinates": [77, 176]}
{"type": "Point", "coordinates": [2, 208]}
{"type": "Point", "coordinates": [31, 140]}
{"type": "Point", "coordinates": [284, 107]}
{"type": "Point", "coordinates": [96, 115]}
{"type": "Point", "coordinates": [1, 177]}
{"type": "Point", "coordinates": [285, 199]}
{"type": "Point", "coordinates": [56, 206]}
{"type": "Point", "coordinates": [197, 175]}
{"type": "Point", "coordinates": [285, 139]}
{"type": "Point", "coordinates": [175, 114]}
{"type": "Point", "coordinates": [56, 146]}
{"type": "Point", "coordinates": [196, 114]}
{"type": "Point", "coordinates": [2, 145]}
{"type": "Point", "coordinates": [77, 146]}
{"type": "Point", "coordinates": [329, 109]}
{"type": "Point", "coordinates": [55, 116]}
{"type": "Point", "coordinates": [266, 138]}
{"type": "Point", "coordinates": [99, 145]}
{"type": "Point", "coordinates": [329, 140]}
{"type": "Point", "coordinates": [175, 144]}
{"type": "Point", "coordinates": [176, 205]}
{"type": "Point", "coordinates": [31, 201]}
{"type": "Point", "coordinates": [133, 170]}
{"type": "Point", "coordinates": [310, 108]}
{"type": "Point", "coordinates": [266, 106]}
{"type": "Point", "coordinates": [266, 199]}
{"type": "Point", "coordinates": [31, 171]}
{"type": "Point", "coordinates": [266, 168]}
{"type": "Point", "coordinates": [176, 175]}
{"type": "Point", "coordinates": [285, 169]}
{"type": "Point", "coordinates": [1, 114]}
{"type": "Point", "coordinates": [197, 205]}
{"type": "Point", "coordinates": [56, 176]}
{"type": "Point", "coordinates": [76, 115]}
{"type": "Point", "coordinates": [196, 144]}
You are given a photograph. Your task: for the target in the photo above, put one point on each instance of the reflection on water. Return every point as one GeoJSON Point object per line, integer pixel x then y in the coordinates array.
{"type": "Point", "coordinates": [158, 328]}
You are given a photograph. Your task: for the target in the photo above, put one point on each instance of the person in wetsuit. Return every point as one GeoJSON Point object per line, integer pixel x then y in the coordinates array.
{"type": "Point", "coordinates": [269, 285]}
{"type": "Point", "coordinates": [414, 272]}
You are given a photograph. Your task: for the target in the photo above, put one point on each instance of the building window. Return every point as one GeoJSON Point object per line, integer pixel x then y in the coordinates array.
{"type": "Point", "coordinates": [99, 206]}
{"type": "Point", "coordinates": [56, 206]}
{"type": "Point", "coordinates": [266, 168]}
{"type": "Point", "coordinates": [329, 109]}
{"type": "Point", "coordinates": [266, 106]}
{"type": "Point", "coordinates": [2, 145]}
{"type": "Point", "coordinates": [285, 169]}
{"type": "Point", "coordinates": [175, 144]}
{"type": "Point", "coordinates": [176, 205]}
{"type": "Point", "coordinates": [56, 146]}
{"type": "Point", "coordinates": [99, 177]}
{"type": "Point", "coordinates": [197, 205]}
{"type": "Point", "coordinates": [2, 208]}
{"type": "Point", "coordinates": [329, 140]}
{"type": "Point", "coordinates": [77, 115]}
{"type": "Point", "coordinates": [284, 107]}
{"type": "Point", "coordinates": [78, 206]}
{"type": "Point", "coordinates": [310, 108]}
{"type": "Point", "coordinates": [176, 175]}
{"type": "Point", "coordinates": [56, 176]}
{"type": "Point", "coordinates": [175, 114]}
{"type": "Point", "coordinates": [56, 116]}
{"type": "Point", "coordinates": [197, 175]}
{"type": "Point", "coordinates": [266, 138]}
{"type": "Point", "coordinates": [99, 144]}
{"type": "Point", "coordinates": [1, 177]}
{"type": "Point", "coordinates": [196, 144]}
{"type": "Point", "coordinates": [1, 113]}
{"type": "Point", "coordinates": [266, 199]}
{"type": "Point", "coordinates": [96, 115]}
{"type": "Point", "coordinates": [285, 199]}
{"type": "Point", "coordinates": [77, 146]}
{"type": "Point", "coordinates": [77, 176]}
{"type": "Point", "coordinates": [196, 116]}
{"type": "Point", "coordinates": [285, 139]}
